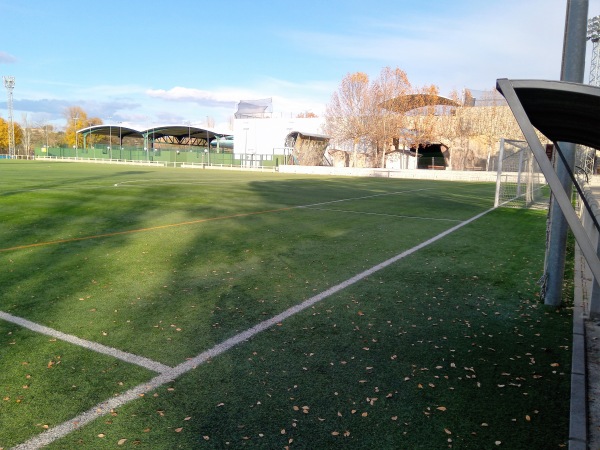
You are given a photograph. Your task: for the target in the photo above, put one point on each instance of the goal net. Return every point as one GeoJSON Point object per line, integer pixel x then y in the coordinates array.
{"type": "Point", "coordinates": [520, 182]}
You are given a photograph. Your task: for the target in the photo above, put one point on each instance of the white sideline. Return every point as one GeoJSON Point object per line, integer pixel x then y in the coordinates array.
{"type": "Point", "coordinates": [383, 194]}
{"type": "Point", "coordinates": [115, 353]}
{"type": "Point", "coordinates": [382, 214]}
{"type": "Point", "coordinates": [105, 407]}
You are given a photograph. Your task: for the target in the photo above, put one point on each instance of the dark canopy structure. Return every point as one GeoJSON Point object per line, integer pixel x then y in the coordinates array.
{"type": "Point", "coordinates": [565, 113]}
{"type": "Point", "coordinates": [177, 134]}
{"type": "Point", "coordinates": [561, 111]}
{"type": "Point", "coordinates": [107, 130]}
{"type": "Point", "coordinates": [171, 134]}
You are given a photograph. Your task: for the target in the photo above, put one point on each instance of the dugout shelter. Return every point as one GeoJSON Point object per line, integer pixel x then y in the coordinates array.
{"type": "Point", "coordinates": [564, 112]}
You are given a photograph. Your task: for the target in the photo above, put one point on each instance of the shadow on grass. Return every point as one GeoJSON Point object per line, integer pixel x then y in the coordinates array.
{"type": "Point", "coordinates": [170, 293]}
{"type": "Point", "coordinates": [442, 349]}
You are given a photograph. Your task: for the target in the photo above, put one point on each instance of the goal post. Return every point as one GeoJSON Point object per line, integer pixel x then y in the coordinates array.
{"type": "Point", "coordinates": [520, 182]}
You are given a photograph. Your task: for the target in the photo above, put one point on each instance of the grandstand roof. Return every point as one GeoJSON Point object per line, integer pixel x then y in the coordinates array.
{"type": "Point", "coordinates": [110, 129]}
{"type": "Point", "coordinates": [177, 132]}
{"type": "Point", "coordinates": [404, 103]}
{"type": "Point", "coordinates": [561, 111]}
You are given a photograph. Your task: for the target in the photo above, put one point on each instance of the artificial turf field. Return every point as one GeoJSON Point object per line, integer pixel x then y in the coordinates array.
{"type": "Point", "coordinates": [159, 308]}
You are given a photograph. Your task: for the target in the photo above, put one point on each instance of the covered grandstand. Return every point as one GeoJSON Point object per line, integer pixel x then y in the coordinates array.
{"type": "Point", "coordinates": [168, 134]}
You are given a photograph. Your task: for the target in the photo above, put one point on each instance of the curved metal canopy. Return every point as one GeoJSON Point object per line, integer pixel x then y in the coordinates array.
{"type": "Point", "coordinates": [107, 130]}
{"type": "Point", "coordinates": [180, 132]}
{"type": "Point", "coordinates": [405, 103]}
{"type": "Point", "coordinates": [177, 132]}
{"type": "Point", "coordinates": [561, 111]}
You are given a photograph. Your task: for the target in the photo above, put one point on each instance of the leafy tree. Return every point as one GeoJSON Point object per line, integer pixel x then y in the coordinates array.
{"type": "Point", "coordinates": [92, 139]}
{"type": "Point", "coordinates": [4, 140]}
{"type": "Point", "coordinates": [77, 119]}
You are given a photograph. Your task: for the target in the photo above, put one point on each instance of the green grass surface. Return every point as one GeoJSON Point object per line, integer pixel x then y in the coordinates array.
{"type": "Point", "coordinates": [448, 347]}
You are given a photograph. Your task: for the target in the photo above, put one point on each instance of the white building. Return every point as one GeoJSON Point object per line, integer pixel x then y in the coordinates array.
{"type": "Point", "coordinates": [267, 136]}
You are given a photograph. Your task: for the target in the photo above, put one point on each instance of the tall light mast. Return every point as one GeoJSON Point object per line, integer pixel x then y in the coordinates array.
{"type": "Point", "coordinates": [9, 84]}
{"type": "Point", "coordinates": [593, 34]}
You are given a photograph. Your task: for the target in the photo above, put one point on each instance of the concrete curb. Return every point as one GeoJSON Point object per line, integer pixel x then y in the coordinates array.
{"type": "Point", "coordinates": [578, 439]}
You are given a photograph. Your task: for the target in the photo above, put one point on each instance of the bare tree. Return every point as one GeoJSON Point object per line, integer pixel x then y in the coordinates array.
{"type": "Point", "coordinates": [455, 128]}
{"type": "Point", "coordinates": [386, 122]}
{"type": "Point", "coordinates": [488, 122]}
{"type": "Point", "coordinates": [422, 115]}
{"type": "Point", "coordinates": [348, 111]}
{"type": "Point", "coordinates": [27, 134]}
{"type": "Point", "coordinates": [376, 114]}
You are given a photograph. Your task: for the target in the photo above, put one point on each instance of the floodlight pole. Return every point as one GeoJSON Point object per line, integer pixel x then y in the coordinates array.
{"type": "Point", "coordinates": [90, 137]}
{"type": "Point", "coordinates": [9, 84]}
{"type": "Point", "coordinates": [110, 137]}
{"type": "Point", "coordinates": [573, 67]}
{"type": "Point", "coordinates": [245, 147]}
{"type": "Point", "coordinates": [120, 142]}
{"type": "Point", "coordinates": [207, 141]}
{"type": "Point", "coordinates": [594, 36]}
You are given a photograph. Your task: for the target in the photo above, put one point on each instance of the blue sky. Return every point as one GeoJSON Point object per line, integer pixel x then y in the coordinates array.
{"type": "Point", "coordinates": [146, 63]}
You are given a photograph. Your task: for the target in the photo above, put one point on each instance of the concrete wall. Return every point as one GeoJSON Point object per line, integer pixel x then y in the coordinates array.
{"type": "Point", "coordinates": [267, 136]}
{"type": "Point", "coordinates": [450, 175]}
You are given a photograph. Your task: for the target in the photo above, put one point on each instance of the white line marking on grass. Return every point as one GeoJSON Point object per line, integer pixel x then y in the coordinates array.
{"type": "Point", "coordinates": [115, 353]}
{"type": "Point", "coordinates": [193, 222]}
{"type": "Point", "coordinates": [104, 408]}
{"type": "Point", "coordinates": [362, 198]}
{"type": "Point", "coordinates": [382, 214]}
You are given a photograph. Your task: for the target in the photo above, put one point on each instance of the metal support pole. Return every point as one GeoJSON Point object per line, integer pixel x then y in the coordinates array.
{"type": "Point", "coordinates": [499, 173]}
{"type": "Point", "coordinates": [573, 67]}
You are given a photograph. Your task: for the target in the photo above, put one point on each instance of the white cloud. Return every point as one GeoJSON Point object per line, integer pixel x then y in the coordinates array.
{"type": "Point", "coordinates": [492, 40]}
{"type": "Point", "coordinates": [7, 58]}
{"type": "Point", "coordinates": [183, 94]}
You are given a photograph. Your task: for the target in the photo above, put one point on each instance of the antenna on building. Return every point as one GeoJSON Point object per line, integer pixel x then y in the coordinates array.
{"type": "Point", "coordinates": [9, 84]}
{"type": "Point", "coordinates": [593, 34]}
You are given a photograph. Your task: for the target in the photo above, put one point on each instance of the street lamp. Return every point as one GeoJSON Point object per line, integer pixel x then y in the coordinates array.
{"type": "Point", "coordinates": [207, 141]}
{"type": "Point", "coordinates": [245, 145]}
{"type": "Point", "coordinates": [90, 143]}
{"type": "Point", "coordinates": [47, 146]}
{"type": "Point", "coordinates": [75, 118]}
{"type": "Point", "coordinates": [110, 137]}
